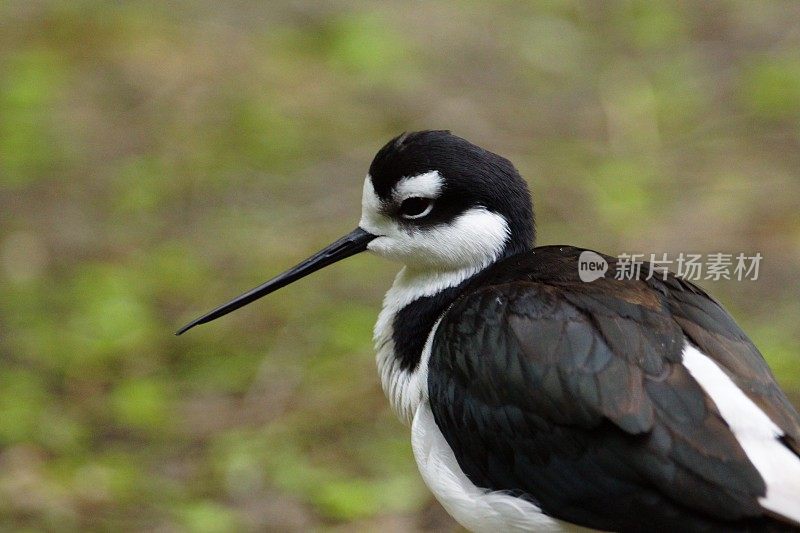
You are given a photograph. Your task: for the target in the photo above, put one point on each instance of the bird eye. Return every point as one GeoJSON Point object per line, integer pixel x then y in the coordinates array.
{"type": "Point", "coordinates": [415, 207]}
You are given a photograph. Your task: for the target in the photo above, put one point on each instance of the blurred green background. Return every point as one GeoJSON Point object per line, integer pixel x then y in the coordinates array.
{"type": "Point", "coordinates": [157, 158]}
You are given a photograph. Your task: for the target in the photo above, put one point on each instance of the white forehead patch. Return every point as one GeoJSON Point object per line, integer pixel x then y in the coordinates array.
{"type": "Point", "coordinates": [427, 185]}
{"type": "Point", "coordinates": [371, 218]}
{"type": "Point", "coordinates": [369, 198]}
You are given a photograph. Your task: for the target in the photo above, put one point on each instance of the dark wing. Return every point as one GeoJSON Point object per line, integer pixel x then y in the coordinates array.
{"type": "Point", "coordinates": [707, 325]}
{"type": "Point", "coordinates": [573, 395]}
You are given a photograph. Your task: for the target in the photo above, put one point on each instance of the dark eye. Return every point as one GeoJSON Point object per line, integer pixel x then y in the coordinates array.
{"type": "Point", "coordinates": [415, 207]}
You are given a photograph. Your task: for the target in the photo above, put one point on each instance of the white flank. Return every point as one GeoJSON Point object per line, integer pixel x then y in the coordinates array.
{"type": "Point", "coordinates": [756, 433]}
{"type": "Point", "coordinates": [473, 507]}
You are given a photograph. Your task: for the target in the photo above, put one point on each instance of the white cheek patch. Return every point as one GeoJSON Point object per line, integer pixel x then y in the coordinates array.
{"type": "Point", "coordinates": [427, 185]}
{"type": "Point", "coordinates": [473, 239]}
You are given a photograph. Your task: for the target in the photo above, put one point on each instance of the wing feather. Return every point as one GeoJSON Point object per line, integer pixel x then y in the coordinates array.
{"type": "Point", "coordinates": [574, 395]}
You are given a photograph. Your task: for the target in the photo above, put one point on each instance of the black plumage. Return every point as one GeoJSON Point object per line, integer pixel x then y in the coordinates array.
{"type": "Point", "coordinates": [573, 395]}
{"type": "Point", "coordinates": [570, 394]}
{"type": "Point", "coordinates": [412, 323]}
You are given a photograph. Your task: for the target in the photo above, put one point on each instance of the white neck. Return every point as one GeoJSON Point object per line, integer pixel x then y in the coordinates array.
{"type": "Point", "coordinates": [404, 388]}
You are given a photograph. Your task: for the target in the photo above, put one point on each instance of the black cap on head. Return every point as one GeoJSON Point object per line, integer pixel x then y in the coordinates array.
{"type": "Point", "coordinates": [472, 177]}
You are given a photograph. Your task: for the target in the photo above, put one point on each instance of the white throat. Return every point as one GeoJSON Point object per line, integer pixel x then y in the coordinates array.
{"type": "Point", "coordinates": [405, 389]}
{"type": "Point", "coordinates": [437, 257]}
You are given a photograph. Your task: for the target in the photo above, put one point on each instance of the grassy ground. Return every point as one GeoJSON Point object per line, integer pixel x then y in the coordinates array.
{"type": "Point", "coordinates": [157, 158]}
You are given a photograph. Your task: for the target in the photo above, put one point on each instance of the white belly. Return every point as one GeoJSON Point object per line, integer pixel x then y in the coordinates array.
{"type": "Point", "coordinates": [473, 507]}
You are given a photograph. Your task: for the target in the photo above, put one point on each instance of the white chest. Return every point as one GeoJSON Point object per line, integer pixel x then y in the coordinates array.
{"type": "Point", "coordinates": [405, 389]}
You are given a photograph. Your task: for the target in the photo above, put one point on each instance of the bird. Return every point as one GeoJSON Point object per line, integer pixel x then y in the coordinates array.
{"type": "Point", "coordinates": [538, 401]}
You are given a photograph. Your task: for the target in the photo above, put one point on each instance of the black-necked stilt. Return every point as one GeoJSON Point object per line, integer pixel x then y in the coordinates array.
{"type": "Point", "coordinates": [537, 400]}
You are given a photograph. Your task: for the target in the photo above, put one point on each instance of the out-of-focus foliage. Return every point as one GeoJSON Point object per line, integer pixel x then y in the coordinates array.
{"type": "Point", "coordinates": [157, 158]}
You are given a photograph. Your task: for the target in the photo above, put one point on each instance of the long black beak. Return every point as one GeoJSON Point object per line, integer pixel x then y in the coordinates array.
{"type": "Point", "coordinates": [354, 242]}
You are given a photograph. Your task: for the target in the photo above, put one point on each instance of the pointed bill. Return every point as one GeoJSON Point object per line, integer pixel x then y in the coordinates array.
{"type": "Point", "coordinates": [354, 242]}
